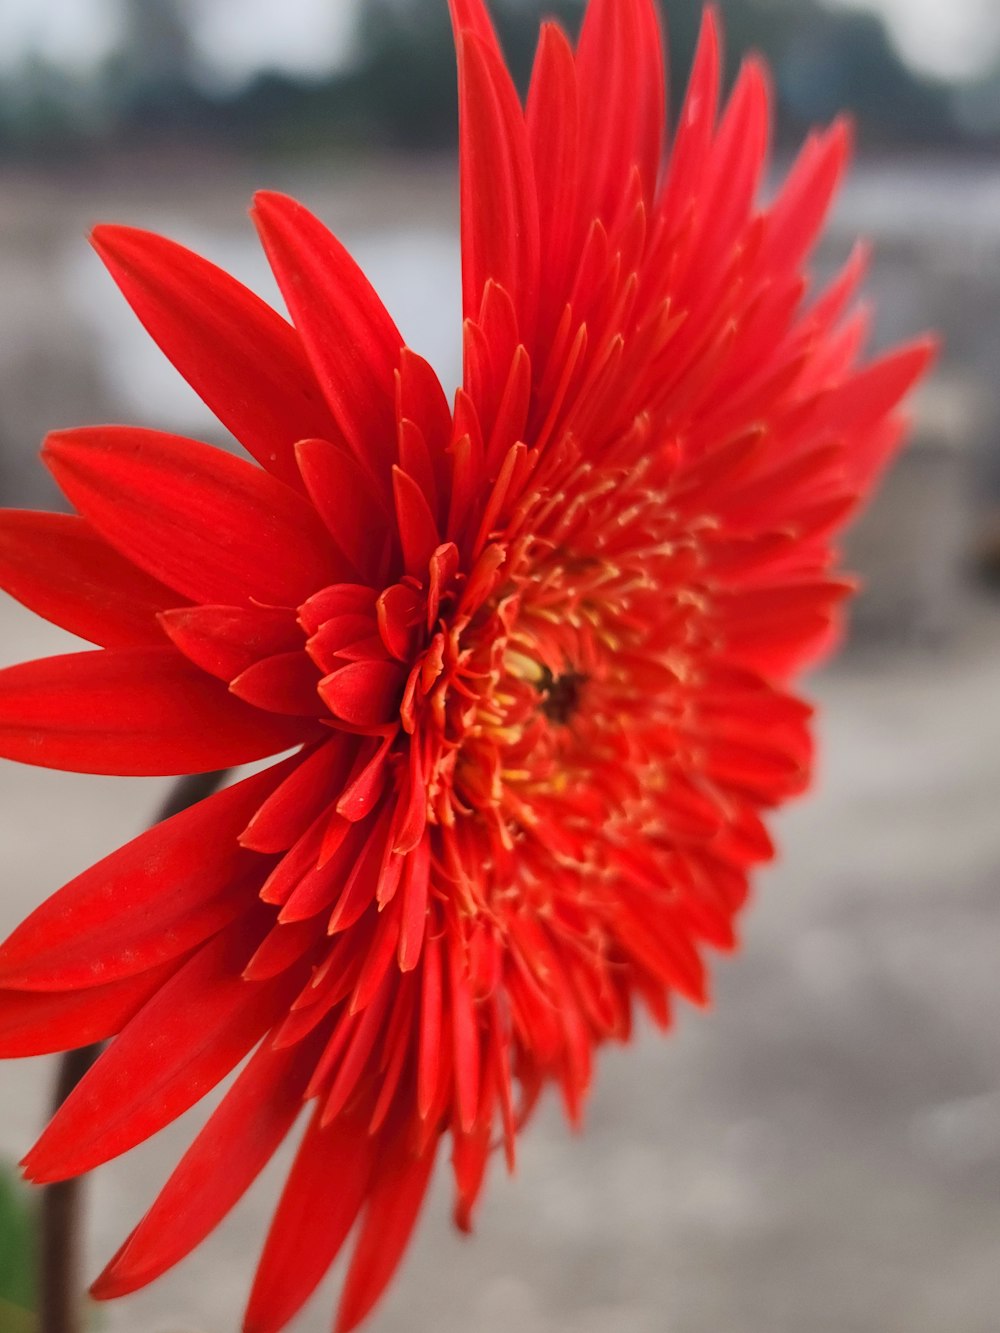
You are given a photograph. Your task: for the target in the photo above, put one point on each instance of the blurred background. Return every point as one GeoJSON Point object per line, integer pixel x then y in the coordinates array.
{"type": "Point", "coordinates": [821, 1152]}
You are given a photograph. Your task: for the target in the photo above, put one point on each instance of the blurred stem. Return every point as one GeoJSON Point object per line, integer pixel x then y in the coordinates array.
{"type": "Point", "coordinates": [60, 1307]}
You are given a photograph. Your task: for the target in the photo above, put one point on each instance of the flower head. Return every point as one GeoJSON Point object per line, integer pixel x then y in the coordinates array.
{"type": "Point", "coordinates": [530, 652]}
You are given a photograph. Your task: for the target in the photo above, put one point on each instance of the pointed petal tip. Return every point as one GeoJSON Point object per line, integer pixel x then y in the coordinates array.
{"type": "Point", "coordinates": [66, 443]}
{"type": "Point", "coordinates": [927, 347]}
{"type": "Point", "coordinates": [844, 128]}
{"type": "Point", "coordinates": [711, 31]}
{"type": "Point", "coordinates": [912, 360]}
{"type": "Point", "coordinates": [106, 236]}
{"type": "Point", "coordinates": [266, 207]}
{"type": "Point", "coordinates": [35, 1174]}
{"type": "Point", "coordinates": [111, 1282]}
{"type": "Point", "coordinates": [121, 246]}
{"type": "Point", "coordinates": [40, 1167]}
{"type": "Point", "coordinates": [269, 203]}
{"type": "Point", "coordinates": [98, 237]}
{"type": "Point", "coordinates": [472, 16]}
{"type": "Point", "coordinates": [56, 441]}
{"type": "Point", "coordinates": [102, 1289]}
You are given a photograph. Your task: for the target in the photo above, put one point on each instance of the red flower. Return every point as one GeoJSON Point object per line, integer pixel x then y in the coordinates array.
{"type": "Point", "coordinates": [531, 654]}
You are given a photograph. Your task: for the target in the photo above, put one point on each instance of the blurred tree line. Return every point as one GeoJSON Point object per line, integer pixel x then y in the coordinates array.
{"type": "Point", "coordinates": [399, 90]}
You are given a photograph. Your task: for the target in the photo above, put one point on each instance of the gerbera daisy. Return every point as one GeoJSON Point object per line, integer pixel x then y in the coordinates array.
{"type": "Point", "coordinates": [530, 654]}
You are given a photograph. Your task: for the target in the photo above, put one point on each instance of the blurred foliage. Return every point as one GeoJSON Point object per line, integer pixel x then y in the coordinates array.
{"type": "Point", "coordinates": [18, 1227]}
{"type": "Point", "coordinates": [400, 90]}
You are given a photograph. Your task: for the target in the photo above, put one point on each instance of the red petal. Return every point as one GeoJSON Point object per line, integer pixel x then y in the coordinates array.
{"type": "Point", "coordinates": [351, 340]}
{"type": "Point", "coordinates": [800, 209]}
{"type": "Point", "coordinates": [43, 1022]}
{"type": "Point", "coordinates": [349, 503]}
{"type": "Point", "coordinates": [301, 860]}
{"type": "Point", "coordinates": [365, 1042]}
{"type": "Point", "coordinates": [312, 787]}
{"type": "Point", "coordinates": [666, 952]}
{"type": "Point", "coordinates": [237, 353]}
{"type": "Point", "coordinates": [134, 712]}
{"type": "Point", "coordinates": [58, 567]}
{"type": "Point", "coordinates": [359, 889]}
{"type": "Point", "coordinates": [417, 528]}
{"type": "Point", "coordinates": [320, 878]}
{"type": "Point", "coordinates": [421, 400]}
{"type": "Point", "coordinates": [465, 1037]}
{"type": "Point", "coordinates": [225, 640]}
{"type": "Point", "coordinates": [399, 611]}
{"type": "Point", "coordinates": [365, 694]}
{"type": "Point", "coordinates": [368, 778]}
{"type": "Point", "coordinates": [877, 389]}
{"type": "Point", "coordinates": [622, 101]}
{"type": "Point", "coordinates": [737, 160]}
{"type": "Point", "coordinates": [473, 16]}
{"type": "Point", "coordinates": [512, 415]}
{"type": "Point", "coordinates": [470, 1155]}
{"type": "Point", "coordinates": [377, 962]}
{"type": "Point", "coordinates": [690, 152]}
{"type": "Point", "coordinates": [393, 1208]}
{"type": "Point", "coordinates": [431, 1019]}
{"type": "Point", "coordinates": [339, 599]}
{"type": "Point", "coordinates": [214, 527]}
{"type": "Point", "coordinates": [282, 684]}
{"type": "Point", "coordinates": [188, 1037]}
{"type": "Point", "coordinates": [149, 901]}
{"type": "Point", "coordinates": [416, 884]}
{"type": "Point", "coordinates": [321, 1199]}
{"type": "Point", "coordinates": [282, 946]}
{"type": "Point", "coordinates": [237, 1142]}
{"type": "Point", "coordinates": [500, 239]}
{"type": "Point", "coordinates": [553, 124]}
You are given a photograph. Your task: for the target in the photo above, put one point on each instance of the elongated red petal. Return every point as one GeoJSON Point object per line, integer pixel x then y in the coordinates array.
{"type": "Point", "coordinates": [554, 128]}
{"type": "Point", "coordinates": [149, 901]}
{"type": "Point", "coordinates": [237, 353]}
{"type": "Point", "coordinates": [351, 340]}
{"type": "Point", "coordinates": [134, 712]}
{"type": "Point", "coordinates": [239, 1139]}
{"type": "Point", "coordinates": [189, 1036]}
{"type": "Point", "coordinates": [365, 694]}
{"type": "Point", "coordinates": [57, 566]}
{"type": "Point", "coordinates": [622, 95]}
{"type": "Point", "coordinates": [311, 788]}
{"type": "Point", "coordinates": [43, 1022]}
{"type": "Point", "coordinates": [473, 16]}
{"type": "Point", "coordinates": [285, 683]}
{"type": "Point", "coordinates": [877, 389]}
{"type": "Point", "coordinates": [392, 1212]}
{"type": "Point", "coordinates": [418, 531]}
{"type": "Point", "coordinates": [801, 208]}
{"type": "Point", "coordinates": [323, 1195]}
{"type": "Point", "coordinates": [214, 527]}
{"type": "Point", "coordinates": [353, 507]}
{"type": "Point", "coordinates": [226, 640]}
{"type": "Point", "coordinates": [500, 235]}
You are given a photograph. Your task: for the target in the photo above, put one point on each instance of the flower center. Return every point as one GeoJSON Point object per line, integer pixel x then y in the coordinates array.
{"type": "Point", "coordinates": [559, 707]}
{"type": "Point", "coordinates": [561, 694]}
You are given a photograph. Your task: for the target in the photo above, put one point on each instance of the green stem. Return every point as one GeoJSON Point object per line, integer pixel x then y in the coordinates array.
{"type": "Point", "coordinates": [60, 1305]}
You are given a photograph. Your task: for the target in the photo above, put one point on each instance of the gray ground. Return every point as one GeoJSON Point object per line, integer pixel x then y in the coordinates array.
{"type": "Point", "coordinates": [820, 1153]}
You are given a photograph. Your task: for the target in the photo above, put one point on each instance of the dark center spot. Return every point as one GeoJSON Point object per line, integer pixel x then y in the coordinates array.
{"type": "Point", "coordinates": [560, 694]}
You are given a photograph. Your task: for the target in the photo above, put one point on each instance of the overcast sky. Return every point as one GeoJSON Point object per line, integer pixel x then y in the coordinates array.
{"type": "Point", "coordinates": [240, 37]}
